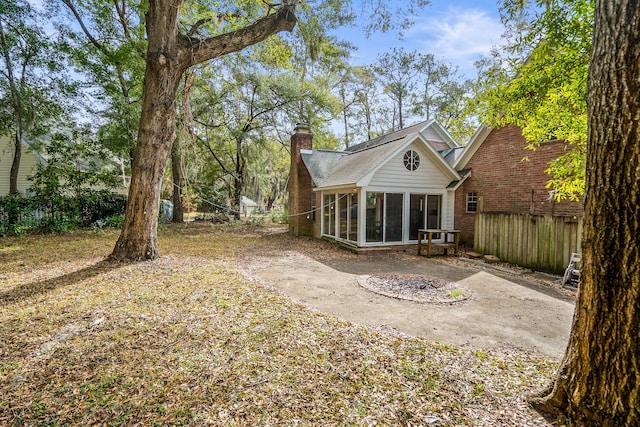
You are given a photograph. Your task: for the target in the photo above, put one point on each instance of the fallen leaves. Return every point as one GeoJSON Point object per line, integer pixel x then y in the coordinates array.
{"type": "Point", "coordinates": [187, 340]}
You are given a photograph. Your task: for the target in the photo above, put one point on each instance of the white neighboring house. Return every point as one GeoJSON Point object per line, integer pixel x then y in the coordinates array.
{"type": "Point", "coordinates": [377, 193]}
{"type": "Point", "coordinates": [29, 161]}
{"type": "Point", "coordinates": [248, 206]}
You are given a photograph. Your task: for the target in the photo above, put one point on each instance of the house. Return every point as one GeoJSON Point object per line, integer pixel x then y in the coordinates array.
{"type": "Point", "coordinates": [248, 206]}
{"type": "Point", "coordinates": [378, 193]}
{"type": "Point", "coordinates": [31, 158]}
{"type": "Point", "coordinates": [29, 161]}
{"type": "Point", "coordinates": [502, 175]}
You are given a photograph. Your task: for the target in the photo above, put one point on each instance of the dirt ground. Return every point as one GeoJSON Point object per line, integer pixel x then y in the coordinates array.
{"type": "Point", "coordinates": [503, 307]}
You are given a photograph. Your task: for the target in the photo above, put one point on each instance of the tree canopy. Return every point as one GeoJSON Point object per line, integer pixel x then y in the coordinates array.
{"type": "Point", "coordinates": [33, 93]}
{"type": "Point", "coordinates": [539, 82]}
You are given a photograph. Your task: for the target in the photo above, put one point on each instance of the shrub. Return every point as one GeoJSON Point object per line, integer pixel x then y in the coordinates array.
{"type": "Point", "coordinates": [280, 216]}
{"type": "Point", "coordinates": [115, 221]}
{"type": "Point", "coordinates": [56, 225]}
{"type": "Point", "coordinates": [41, 214]}
{"type": "Point", "coordinates": [100, 205]}
{"type": "Point", "coordinates": [255, 220]}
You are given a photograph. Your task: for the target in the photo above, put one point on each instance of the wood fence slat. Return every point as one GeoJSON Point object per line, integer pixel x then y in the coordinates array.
{"type": "Point", "coordinates": [533, 241]}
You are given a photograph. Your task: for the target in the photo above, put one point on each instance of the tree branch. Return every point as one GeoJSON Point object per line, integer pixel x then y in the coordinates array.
{"type": "Point", "coordinates": [122, 18]}
{"type": "Point", "coordinates": [102, 48]}
{"type": "Point", "coordinates": [195, 51]}
{"type": "Point", "coordinates": [197, 25]}
{"type": "Point", "coordinates": [208, 147]}
{"type": "Point", "coordinates": [73, 9]}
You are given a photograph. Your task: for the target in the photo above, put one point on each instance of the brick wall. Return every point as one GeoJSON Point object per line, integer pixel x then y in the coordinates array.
{"type": "Point", "coordinates": [505, 182]}
{"type": "Point", "coordinates": [301, 195]}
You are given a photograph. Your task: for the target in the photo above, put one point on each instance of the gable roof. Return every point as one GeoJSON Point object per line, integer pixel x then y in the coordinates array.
{"type": "Point", "coordinates": [472, 146]}
{"type": "Point", "coordinates": [446, 143]}
{"type": "Point", "coordinates": [247, 201]}
{"type": "Point", "coordinates": [358, 164]}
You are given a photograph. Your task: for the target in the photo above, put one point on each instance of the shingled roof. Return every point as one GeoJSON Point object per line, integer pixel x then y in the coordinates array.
{"type": "Point", "coordinates": [338, 168]}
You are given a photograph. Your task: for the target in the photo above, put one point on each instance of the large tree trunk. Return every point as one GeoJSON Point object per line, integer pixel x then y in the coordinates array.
{"type": "Point", "coordinates": [138, 239]}
{"type": "Point", "coordinates": [599, 383]}
{"type": "Point", "coordinates": [169, 55]}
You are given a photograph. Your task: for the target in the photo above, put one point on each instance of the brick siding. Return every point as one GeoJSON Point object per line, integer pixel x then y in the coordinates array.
{"type": "Point", "coordinates": [301, 195]}
{"type": "Point", "coordinates": [505, 182]}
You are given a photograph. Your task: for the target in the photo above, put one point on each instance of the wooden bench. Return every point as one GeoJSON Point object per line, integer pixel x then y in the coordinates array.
{"type": "Point", "coordinates": [445, 243]}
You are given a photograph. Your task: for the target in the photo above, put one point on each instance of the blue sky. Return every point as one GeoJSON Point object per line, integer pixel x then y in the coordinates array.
{"type": "Point", "coordinates": [459, 32]}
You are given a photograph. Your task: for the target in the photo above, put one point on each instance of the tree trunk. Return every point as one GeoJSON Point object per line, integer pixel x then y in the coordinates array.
{"type": "Point", "coordinates": [15, 164]}
{"type": "Point", "coordinates": [178, 182]}
{"type": "Point", "coordinates": [598, 382]}
{"type": "Point", "coordinates": [400, 121]}
{"type": "Point", "coordinates": [16, 106]}
{"type": "Point", "coordinates": [238, 181]}
{"type": "Point", "coordinates": [169, 55]}
{"type": "Point", "coordinates": [345, 116]}
{"type": "Point", "coordinates": [138, 239]}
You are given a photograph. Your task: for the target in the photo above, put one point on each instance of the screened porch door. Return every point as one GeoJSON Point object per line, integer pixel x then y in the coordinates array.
{"type": "Point", "coordinates": [393, 217]}
{"type": "Point", "coordinates": [424, 212]}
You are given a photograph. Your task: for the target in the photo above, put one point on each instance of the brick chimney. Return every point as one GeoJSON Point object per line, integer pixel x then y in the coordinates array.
{"type": "Point", "coordinates": [301, 195]}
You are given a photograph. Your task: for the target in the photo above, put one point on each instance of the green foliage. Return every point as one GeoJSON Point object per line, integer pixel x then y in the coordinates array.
{"type": "Point", "coordinates": [397, 71]}
{"type": "Point", "coordinates": [238, 119]}
{"type": "Point", "coordinates": [17, 215]}
{"type": "Point", "coordinates": [110, 59]}
{"type": "Point", "coordinates": [420, 88]}
{"type": "Point", "coordinates": [539, 84]}
{"type": "Point", "coordinates": [20, 215]}
{"type": "Point", "coordinates": [32, 92]}
{"type": "Point", "coordinates": [56, 225]}
{"type": "Point", "coordinates": [365, 116]}
{"type": "Point", "coordinates": [113, 221]}
{"type": "Point", "coordinates": [76, 165]}
{"type": "Point", "coordinates": [255, 220]}
{"type": "Point", "coordinates": [73, 188]}
{"type": "Point", "coordinates": [456, 293]}
{"type": "Point", "coordinates": [280, 216]}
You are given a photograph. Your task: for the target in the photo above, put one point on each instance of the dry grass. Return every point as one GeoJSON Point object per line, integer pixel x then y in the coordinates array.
{"type": "Point", "coordinates": [187, 340]}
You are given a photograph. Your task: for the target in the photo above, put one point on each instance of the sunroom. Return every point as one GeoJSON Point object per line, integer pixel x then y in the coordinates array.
{"type": "Point", "coordinates": [382, 193]}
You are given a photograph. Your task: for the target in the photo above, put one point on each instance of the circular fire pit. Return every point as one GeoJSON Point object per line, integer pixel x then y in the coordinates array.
{"type": "Point", "coordinates": [415, 287]}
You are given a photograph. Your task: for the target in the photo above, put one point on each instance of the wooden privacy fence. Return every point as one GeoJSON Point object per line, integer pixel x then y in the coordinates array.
{"type": "Point", "coordinates": [539, 242]}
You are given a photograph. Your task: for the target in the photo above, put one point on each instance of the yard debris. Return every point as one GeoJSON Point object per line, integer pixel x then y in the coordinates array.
{"type": "Point", "coordinates": [491, 259]}
{"type": "Point", "coordinates": [187, 340]}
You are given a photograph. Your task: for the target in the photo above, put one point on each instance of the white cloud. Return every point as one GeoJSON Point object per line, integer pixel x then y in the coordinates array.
{"type": "Point", "coordinates": [458, 35]}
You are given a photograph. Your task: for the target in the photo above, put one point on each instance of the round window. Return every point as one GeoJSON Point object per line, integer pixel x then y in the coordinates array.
{"type": "Point", "coordinates": [411, 160]}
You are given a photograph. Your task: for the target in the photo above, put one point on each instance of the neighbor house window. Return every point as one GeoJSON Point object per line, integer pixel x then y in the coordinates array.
{"type": "Point", "coordinates": [472, 202]}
